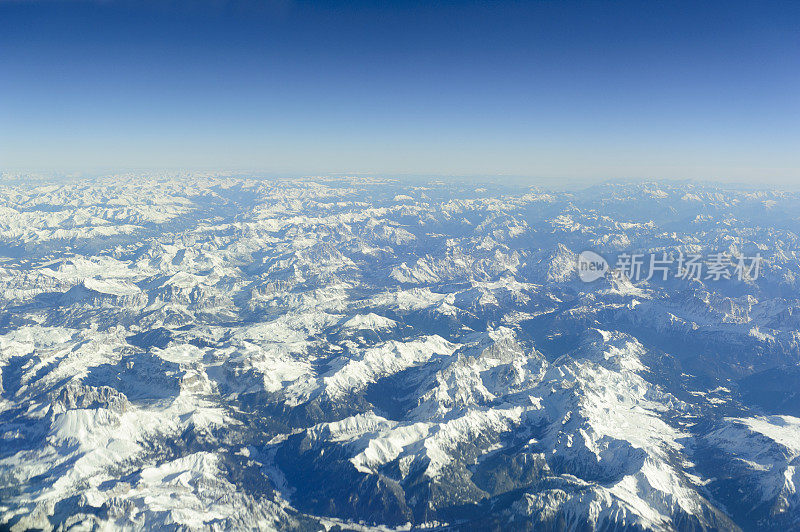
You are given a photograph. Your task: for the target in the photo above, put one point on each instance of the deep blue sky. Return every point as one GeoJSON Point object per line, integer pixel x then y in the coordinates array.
{"type": "Point", "coordinates": [593, 90]}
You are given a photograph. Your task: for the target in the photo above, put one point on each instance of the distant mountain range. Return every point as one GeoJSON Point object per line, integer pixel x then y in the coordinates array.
{"type": "Point", "coordinates": [362, 354]}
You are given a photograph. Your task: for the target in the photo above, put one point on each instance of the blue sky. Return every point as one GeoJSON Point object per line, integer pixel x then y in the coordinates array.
{"type": "Point", "coordinates": [555, 90]}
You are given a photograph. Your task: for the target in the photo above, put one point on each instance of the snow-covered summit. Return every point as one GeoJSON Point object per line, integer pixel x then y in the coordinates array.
{"type": "Point", "coordinates": [210, 352]}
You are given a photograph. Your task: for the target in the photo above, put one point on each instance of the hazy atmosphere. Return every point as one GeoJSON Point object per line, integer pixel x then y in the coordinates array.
{"type": "Point", "coordinates": [392, 266]}
{"type": "Point", "coordinates": [585, 90]}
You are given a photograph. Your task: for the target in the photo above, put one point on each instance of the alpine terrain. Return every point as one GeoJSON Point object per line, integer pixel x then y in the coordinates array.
{"type": "Point", "coordinates": [221, 352]}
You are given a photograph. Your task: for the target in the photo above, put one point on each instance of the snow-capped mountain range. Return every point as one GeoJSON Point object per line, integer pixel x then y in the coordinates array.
{"type": "Point", "coordinates": [216, 352]}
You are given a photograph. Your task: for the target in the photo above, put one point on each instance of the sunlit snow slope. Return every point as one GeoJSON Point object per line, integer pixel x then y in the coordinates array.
{"type": "Point", "coordinates": [231, 353]}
